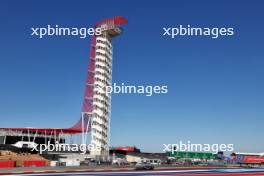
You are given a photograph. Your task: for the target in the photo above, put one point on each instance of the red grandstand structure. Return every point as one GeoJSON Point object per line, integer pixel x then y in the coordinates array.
{"type": "Point", "coordinates": [248, 158]}
{"type": "Point", "coordinates": [83, 126]}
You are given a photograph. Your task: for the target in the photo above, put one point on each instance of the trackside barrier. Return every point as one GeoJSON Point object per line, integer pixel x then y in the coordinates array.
{"type": "Point", "coordinates": [7, 164]}
{"type": "Point", "coordinates": [34, 163]}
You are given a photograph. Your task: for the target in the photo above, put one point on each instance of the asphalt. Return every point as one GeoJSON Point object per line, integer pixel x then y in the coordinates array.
{"type": "Point", "coordinates": [209, 172]}
{"type": "Point", "coordinates": [129, 172]}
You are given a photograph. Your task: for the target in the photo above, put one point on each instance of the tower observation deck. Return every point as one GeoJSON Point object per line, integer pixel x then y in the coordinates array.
{"type": "Point", "coordinates": [97, 102]}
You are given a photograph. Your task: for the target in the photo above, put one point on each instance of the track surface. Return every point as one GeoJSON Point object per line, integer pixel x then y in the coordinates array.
{"type": "Point", "coordinates": [208, 172]}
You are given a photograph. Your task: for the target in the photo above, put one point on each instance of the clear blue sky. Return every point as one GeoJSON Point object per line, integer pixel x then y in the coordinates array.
{"type": "Point", "coordinates": [215, 85]}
